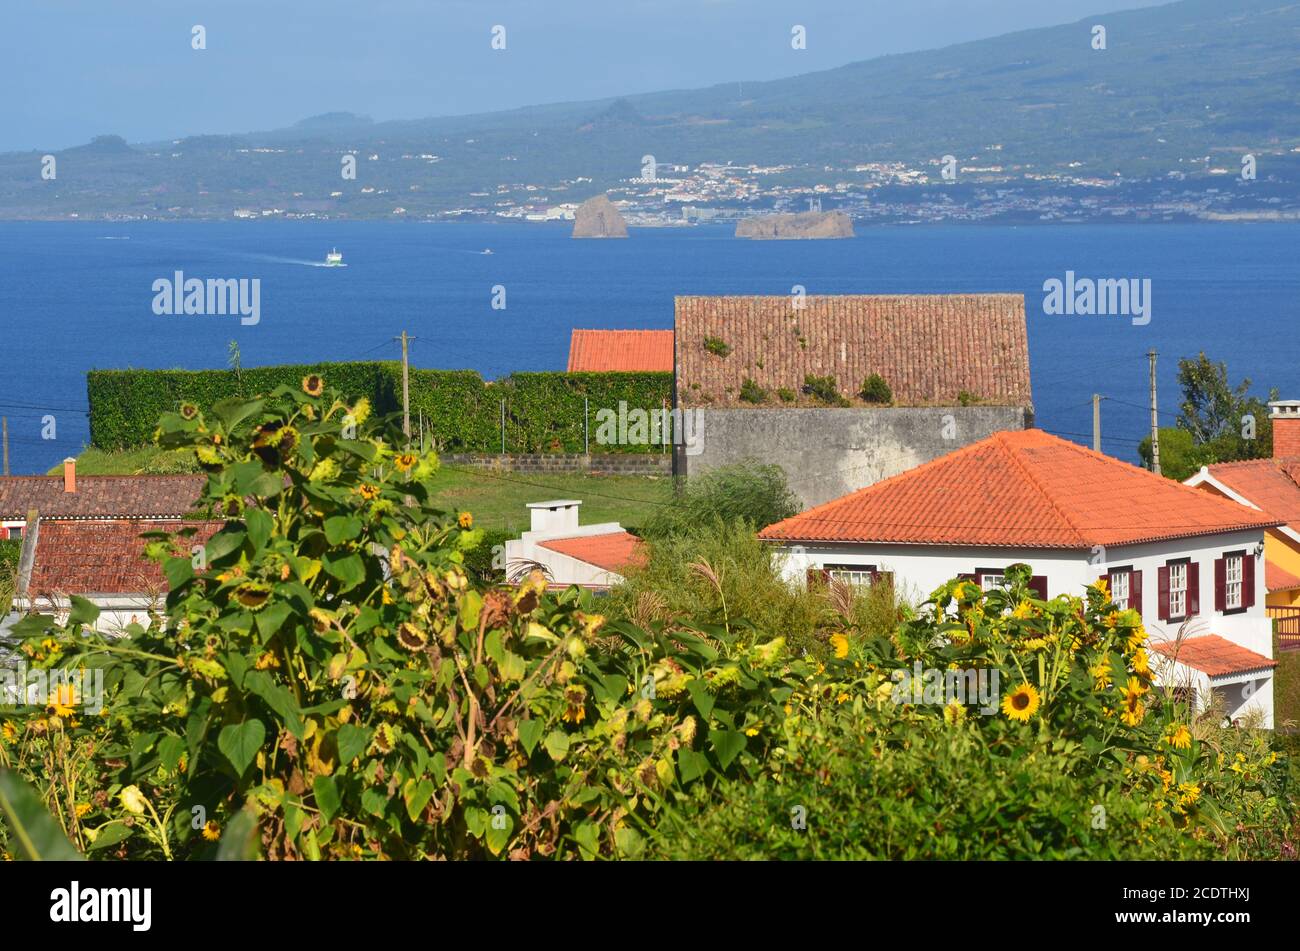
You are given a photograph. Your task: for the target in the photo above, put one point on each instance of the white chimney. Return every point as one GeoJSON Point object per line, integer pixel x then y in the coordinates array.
{"type": "Point", "coordinates": [558, 516]}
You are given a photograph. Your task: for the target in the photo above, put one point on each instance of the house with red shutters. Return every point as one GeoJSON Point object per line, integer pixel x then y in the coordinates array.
{"type": "Point", "coordinates": [1191, 563]}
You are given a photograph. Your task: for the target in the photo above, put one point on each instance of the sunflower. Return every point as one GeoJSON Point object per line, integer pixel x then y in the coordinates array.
{"type": "Point", "coordinates": [313, 385]}
{"type": "Point", "coordinates": [1133, 708]}
{"type": "Point", "coordinates": [575, 699]}
{"type": "Point", "coordinates": [211, 831]}
{"type": "Point", "coordinates": [465, 520]}
{"type": "Point", "coordinates": [9, 730]}
{"type": "Point", "coordinates": [1100, 674]}
{"type": "Point", "coordinates": [841, 645]}
{"type": "Point", "coordinates": [406, 461]}
{"type": "Point", "coordinates": [1021, 703]}
{"type": "Point", "coordinates": [133, 800]}
{"type": "Point", "coordinates": [954, 713]}
{"type": "Point", "coordinates": [368, 491]}
{"type": "Point", "coordinates": [411, 637]}
{"type": "Point", "coordinates": [63, 701]}
{"type": "Point", "coordinates": [189, 411]}
{"type": "Point", "coordinates": [253, 594]}
{"type": "Point", "coordinates": [1178, 736]}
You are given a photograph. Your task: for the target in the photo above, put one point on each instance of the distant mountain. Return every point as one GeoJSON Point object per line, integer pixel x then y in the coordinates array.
{"type": "Point", "coordinates": [1168, 109]}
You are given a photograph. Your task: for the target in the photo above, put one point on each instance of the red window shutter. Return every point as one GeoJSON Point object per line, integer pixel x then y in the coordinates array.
{"type": "Point", "coordinates": [1193, 589]}
{"type": "Point", "coordinates": [1135, 591]}
{"type": "Point", "coordinates": [968, 577]}
{"type": "Point", "coordinates": [1220, 584]}
{"type": "Point", "coordinates": [1162, 592]}
{"type": "Point", "coordinates": [1247, 580]}
{"type": "Point", "coordinates": [1038, 585]}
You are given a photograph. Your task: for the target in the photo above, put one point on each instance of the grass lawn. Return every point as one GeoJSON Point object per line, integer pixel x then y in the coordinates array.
{"type": "Point", "coordinates": [497, 500]}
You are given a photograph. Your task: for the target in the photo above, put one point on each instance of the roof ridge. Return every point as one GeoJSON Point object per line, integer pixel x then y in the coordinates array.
{"type": "Point", "coordinates": [1002, 438]}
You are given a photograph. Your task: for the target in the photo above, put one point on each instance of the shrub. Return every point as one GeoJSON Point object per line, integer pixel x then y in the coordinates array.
{"type": "Point", "coordinates": [749, 491]}
{"type": "Point", "coordinates": [751, 392]}
{"type": "Point", "coordinates": [786, 394]}
{"type": "Point", "coordinates": [876, 390]}
{"type": "Point", "coordinates": [329, 669]}
{"type": "Point", "coordinates": [717, 346]}
{"type": "Point", "coordinates": [823, 388]}
{"type": "Point", "coordinates": [966, 398]}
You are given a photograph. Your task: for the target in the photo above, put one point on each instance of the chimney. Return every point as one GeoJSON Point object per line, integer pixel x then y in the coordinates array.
{"type": "Point", "coordinates": [1285, 416]}
{"type": "Point", "coordinates": [560, 515]}
{"type": "Point", "coordinates": [69, 475]}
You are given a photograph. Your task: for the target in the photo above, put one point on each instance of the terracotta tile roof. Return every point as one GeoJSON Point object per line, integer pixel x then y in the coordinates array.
{"type": "Point", "coordinates": [628, 351]}
{"type": "Point", "coordinates": [1272, 484]}
{"type": "Point", "coordinates": [928, 348]}
{"type": "Point", "coordinates": [613, 551]}
{"type": "Point", "coordinates": [1276, 579]}
{"type": "Point", "coordinates": [1213, 655]}
{"type": "Point", "coordinates": [139, 496]}
{"type": "Point", "coordinates": [84, 556]}
{"type": "Point", "coordinates": [1023, 489]}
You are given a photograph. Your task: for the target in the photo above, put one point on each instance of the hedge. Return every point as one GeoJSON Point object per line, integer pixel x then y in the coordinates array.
{"type": "Point", "coordinates": [459, 410]}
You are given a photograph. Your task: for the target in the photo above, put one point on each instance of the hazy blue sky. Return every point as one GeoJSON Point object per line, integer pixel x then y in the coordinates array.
{"type": "Point", "coordinates": [71, 69]}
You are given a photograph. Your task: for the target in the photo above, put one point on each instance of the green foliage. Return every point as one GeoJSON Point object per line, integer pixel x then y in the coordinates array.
{"type": "Point", "coordinates": [717, 346]}
{"type": "Point", "coordinates": [824, 389]}
{"type": "Point", "coordinates": [751, 392]}
{"type": "Point", "coordinates": [461, 413]}
{"type": "Point", "coordinates": [750, 491]}
{"type": "Point", "coordinates": [786, 394]}
{"type": "Point", "coordinates": [967, 398]}
{"type": "Point", "coordinates": [32, 832]}
{"type": "Point", "coordinates": [1180, 457]}
{"type": "Point", "coordinates": [876, 390]}
{"type": "Point", "coordinates": [330, 665]}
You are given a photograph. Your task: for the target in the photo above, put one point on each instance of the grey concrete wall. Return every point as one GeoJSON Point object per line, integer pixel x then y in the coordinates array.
{"type": "Point", "coordinates": [827, 453]}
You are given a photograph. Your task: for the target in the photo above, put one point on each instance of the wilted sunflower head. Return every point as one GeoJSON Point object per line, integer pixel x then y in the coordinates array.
{"type": "Point", "coordinates": [313, 384]}
{"type": "Point", "coordinates": [411, 637]}
{"type": "Point", "coordinates": [189, 411]}
{"type": "Point", "coordinates": [253, 594]}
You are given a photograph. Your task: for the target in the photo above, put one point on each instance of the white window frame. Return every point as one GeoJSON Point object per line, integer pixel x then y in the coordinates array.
{"type": "Point", "coordinates": [858, 577]}
{"type": "Point", "coordinates": [1121, 587]}
{"type": "Point", "coordinates": [993, 582]}
{"type": "Point", "coordinates": [1234, 586]}
{"type": "Point", "coordinates": [1178, 572]}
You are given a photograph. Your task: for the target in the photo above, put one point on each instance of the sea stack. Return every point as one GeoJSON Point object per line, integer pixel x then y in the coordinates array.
{"type": "Point", "coordinates": [807, 224]}
{"type": "Point", "coordinates": [598, 218]}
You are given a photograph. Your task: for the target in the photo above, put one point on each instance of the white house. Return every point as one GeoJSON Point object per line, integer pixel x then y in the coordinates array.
{"type": "Point", "coordinates": [590, 556]}
{"type": "Point", "coordinates": [1190, 562]}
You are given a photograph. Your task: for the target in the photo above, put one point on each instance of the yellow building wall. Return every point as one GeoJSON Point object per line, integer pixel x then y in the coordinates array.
{"type": "Point", "coordinates": [1281, 551]}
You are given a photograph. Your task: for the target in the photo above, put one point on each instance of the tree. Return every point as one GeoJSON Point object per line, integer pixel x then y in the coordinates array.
{"type": "Point", "coordinates": [1226, 423]}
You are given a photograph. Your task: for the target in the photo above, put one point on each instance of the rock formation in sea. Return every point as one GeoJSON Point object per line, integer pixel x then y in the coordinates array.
{"type": "Point", "coordinates": [598, 218]}
{"type": "Point", "coordinates": [807, 224]}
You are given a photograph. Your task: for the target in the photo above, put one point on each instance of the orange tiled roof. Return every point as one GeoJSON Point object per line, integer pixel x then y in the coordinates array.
{"type": "Point", "coordinates": [928, 348]}
{"type": "Point", "coordinates": [1272, 484]}
{"type": "Point", "coordinates": [1276, 579]}
{"type": "Point", "coordinates": [138, 496]}
{"type": "Point", "coordinates": [613, 551]}
{"type": "Point", "coordinates": [105, 556]}
{"type": "Point", "coordinates": [627, 351]}
{"type": "Point", "coordinates": [1213, 655]}
{"type": "Point", "coordinates": [1022, 489]}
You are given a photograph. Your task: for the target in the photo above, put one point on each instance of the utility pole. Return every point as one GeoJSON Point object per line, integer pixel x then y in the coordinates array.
{"type": "Point", "coordinates": [1096, 421]}
{"type": "Point", "coordinates": [406, 384]}
{"type": "Point", "coordinates": [4, 423]}
{"type": "Point", "coordinates": [1155, 419]}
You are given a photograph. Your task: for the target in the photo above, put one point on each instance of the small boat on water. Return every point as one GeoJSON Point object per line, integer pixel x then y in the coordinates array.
{"type": "Point", "coordinates": [486, 251]}
{"type": "Point", "coordinates": [334, 259]}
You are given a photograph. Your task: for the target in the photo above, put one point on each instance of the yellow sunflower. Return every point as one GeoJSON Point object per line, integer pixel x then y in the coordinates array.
{"type": "Point", "coordinates": [368, 491]}
{"type": "Point", "coordinates": [313, 385]}
{"type": "Point", "coordinates": [1178, 736]}
{"type": "Point", "coordinates": [406, 461]}
{"type": "Point", "coordinates": [211, 831]}
{"type": "Point", "coordinates": [841, 645]}
{"type": "Point", "coordinates": [62, 701]}
{"type": "Point", "coordinates": [465, 520]}
{"type": "Point", "coordinates": [1021, 703]}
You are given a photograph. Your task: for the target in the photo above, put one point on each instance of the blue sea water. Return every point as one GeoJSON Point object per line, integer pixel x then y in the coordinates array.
{"type": "Point", "coordinates": [76, 296]}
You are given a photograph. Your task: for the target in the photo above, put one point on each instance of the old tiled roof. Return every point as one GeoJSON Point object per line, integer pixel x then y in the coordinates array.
{"type": "Point", "coordinates": [928, 348]}
{"type": "Point", "coordinates": [138, 496]}
{"type": "Point", "coordinates": [1272, 484]}
{"type": "Point", "coordinates": [602, 351]}
{"type": "Point", "coordinates": [1277, 579]}
{"type": "Point", "coordinates": [102, 556]}
{"type": "Point", "coordinates": [1023, 489]}
{"type": "Point", "coordinates": [1213, 655]}
{"type": "Point", "coordinates": [612, 551]}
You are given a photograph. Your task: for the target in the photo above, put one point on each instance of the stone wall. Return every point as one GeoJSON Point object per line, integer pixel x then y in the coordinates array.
{"type": "Point", "coordinates": [828, 453]}
{"type": "Point", "coordinates": [629, 464]}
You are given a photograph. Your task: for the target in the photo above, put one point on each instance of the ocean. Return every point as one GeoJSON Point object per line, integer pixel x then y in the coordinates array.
{"type": "Point", "coordinates": [79, 295]}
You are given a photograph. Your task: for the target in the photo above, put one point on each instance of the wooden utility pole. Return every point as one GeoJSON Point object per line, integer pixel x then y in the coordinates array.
{"type": "Point", "coordinates": [406, 384]}
{"type": "Point", "coordinates": [1096, 421]}
{"type": "Point", "coordinates": [1155, 419]}
{"type": "Point", "coordinates": [4, 424]}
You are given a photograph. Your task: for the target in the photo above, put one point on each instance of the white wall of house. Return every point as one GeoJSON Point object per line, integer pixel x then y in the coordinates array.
{"type": "Point", "coordinates": [1243, 695]}
{"type": "Point", "coordinates": [554, 520]}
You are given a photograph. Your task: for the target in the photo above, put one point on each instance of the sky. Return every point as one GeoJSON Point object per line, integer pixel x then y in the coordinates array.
{"type": "Point", "coordinates": [73, 69]}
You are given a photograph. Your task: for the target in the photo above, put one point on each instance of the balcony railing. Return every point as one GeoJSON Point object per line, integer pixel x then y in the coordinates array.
{"type": "Point", "coordinates": [1286, 621]}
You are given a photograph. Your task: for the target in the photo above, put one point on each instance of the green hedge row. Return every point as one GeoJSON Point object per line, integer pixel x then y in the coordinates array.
{"type": "Point", "coordinates": [459, 410]}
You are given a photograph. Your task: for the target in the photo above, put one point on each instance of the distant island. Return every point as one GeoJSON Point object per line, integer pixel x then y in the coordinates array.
{"type": "Point", "coordinates": [807, 224]}
{"type": "Point", "coordinates": [598, 218]}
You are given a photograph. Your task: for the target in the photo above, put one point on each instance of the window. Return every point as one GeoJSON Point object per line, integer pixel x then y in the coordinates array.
{"type": "Point", "coordinates": [1233, 599]}
{"type": "Point", "coordinates": [860, 577]}
{"type": "Point", "coordinates": [15, 533]}
{"type": "Point", "coordinates": [1120, 589]}
{"type": "Point", "coordinates": [1178, 590]}
{"type": "Point", "coordinates": [992, 582]}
